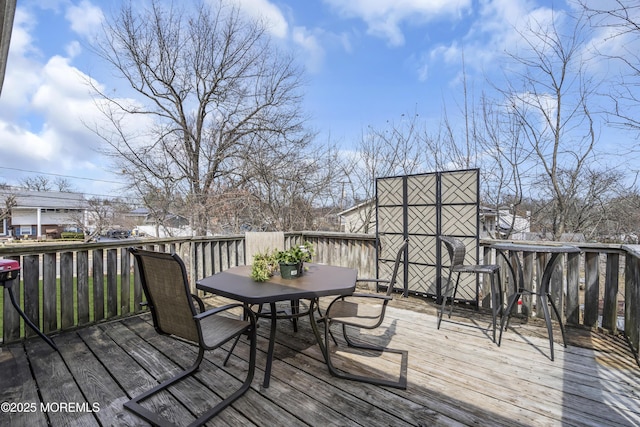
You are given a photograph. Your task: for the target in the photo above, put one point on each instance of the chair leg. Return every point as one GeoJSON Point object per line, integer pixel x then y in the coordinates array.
{"type": "Point", "coordinates": [555, 309]}
{"type": "Point", "coordinates": [134, 405]}
{"type": "Point", "coordinates": [444, 299]}
{"type": "Point", "coordinates": [547, 318]}
{"type": "Point", "coordinates": [295, 309]}
{"type": "Point", "coordinates": [402, 381]}
{"type": "Point", "coordinates": [494, 305]}
{"type": "Point", "coordinates": [513, 301]}
{"type": "Point", "coordinates": [453, 297]}
{"type": "Point", "coordinates": [233, 346]}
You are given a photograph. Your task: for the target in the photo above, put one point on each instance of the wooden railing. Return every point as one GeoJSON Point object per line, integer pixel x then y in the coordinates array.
{"type": "Point", "coordinates": [63, 286]}
{"type": "Point", "coordinates": [66, 286]}
{"type": "Point", "coordinates": [597, 288]}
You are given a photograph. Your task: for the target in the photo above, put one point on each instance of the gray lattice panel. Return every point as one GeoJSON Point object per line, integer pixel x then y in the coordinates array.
{"type": "Point", "coordinates": [422, 279]}
{"type": "Point", "coordinates": [390, 219]}
{"type": "Point", "coordinates": [435, 203]}
{"type": "Point", "coordinates": [385, 270]}
{"type": "Point", "coordinates": [390, 191]}
{"type": "Point", "coordinates": [422, 220]}
{"type": "Point", "coordinates": [389, 244]}
{"type": "Point", "coordinates": [421, 190]}
{"type": "Point", "coordinates": [459, 220]}
{"type": "Point", "coordinates": [423, 249]}
{"type": "Point", "coordinates": [466, 287]}
{"type": "Point", "coordinates": [459, 187]}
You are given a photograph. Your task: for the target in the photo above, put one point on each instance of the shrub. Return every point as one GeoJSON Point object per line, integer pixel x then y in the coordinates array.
{"type": "Point", "coordinates": [72, 235]}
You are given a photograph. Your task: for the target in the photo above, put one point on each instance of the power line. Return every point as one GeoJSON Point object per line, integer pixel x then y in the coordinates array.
{"type": "Point", "coordinates": [63, 176]}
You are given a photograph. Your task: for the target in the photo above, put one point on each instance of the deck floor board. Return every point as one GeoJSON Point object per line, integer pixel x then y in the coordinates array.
{"type": "Point", "coordinates": [457, 376]}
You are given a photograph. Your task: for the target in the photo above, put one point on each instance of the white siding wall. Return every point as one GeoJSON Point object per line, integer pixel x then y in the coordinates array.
{"type": "Point", "coordinates": [29, 217]}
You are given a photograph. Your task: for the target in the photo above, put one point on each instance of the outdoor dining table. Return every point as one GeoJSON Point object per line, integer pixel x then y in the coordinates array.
{"type": "Point", "coordinates": [316, 281]}
{"type": "Point", "coordinates": [543, 292]}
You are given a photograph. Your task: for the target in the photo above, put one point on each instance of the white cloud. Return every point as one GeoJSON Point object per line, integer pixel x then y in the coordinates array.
{"type": "Point", "coordinates": [85, 18]}
{"type": "Point", "coordinates": [267, 13]}
{"type": "Point", "coordinates": [309, 43]}
{"type": "Point", "coordinates": [384, 18]}
{"type": "Point", "coordinates": [497, 30]}
{"type": "Point", "coordinates": [44, 105]}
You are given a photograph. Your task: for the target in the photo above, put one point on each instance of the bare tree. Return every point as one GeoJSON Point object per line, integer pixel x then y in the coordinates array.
{"type": "Point", "coordinates": [99, 216]}
{"type": "Point", "coordinates": [550, 94]}
{"type": "Point", "coordinates": [9, 203]}
{"type": "Point", "coordinates": [211, 91]}
{"type": "Point", "coordinates": [392, 149]}
{"type": "Point", "coordinates": [37, 183]}
{"type": "Point", "coordinates": [63, 185]}
{"type": "Point", "coordinates": [621, 20]}
{"type": "Point", "coordinates": [502, 158]}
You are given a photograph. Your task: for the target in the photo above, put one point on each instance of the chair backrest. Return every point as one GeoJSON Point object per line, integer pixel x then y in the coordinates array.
{"type": "Point", "coordinates": [396, 266]}
{"type": "Point", "coordinates": [262, 241]}
{"type": "Point", "coordinates": [165, 284]}
{"type": "Point", "coordinates": [456, 250]}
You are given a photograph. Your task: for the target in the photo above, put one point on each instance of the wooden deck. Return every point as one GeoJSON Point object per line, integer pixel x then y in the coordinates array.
{"type": "Point", "coordinates": [457, 376]}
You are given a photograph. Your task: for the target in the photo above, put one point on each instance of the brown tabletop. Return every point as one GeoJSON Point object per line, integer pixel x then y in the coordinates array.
{"type": "Point", "coordinates": [317, 281]}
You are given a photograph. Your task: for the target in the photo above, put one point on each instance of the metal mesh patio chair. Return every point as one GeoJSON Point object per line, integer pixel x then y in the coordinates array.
{"type": "Point", "coordinates": [165, 284]}
{"type": "Point", "coordinates": [457, 252]}
{"type": "Point", "coordinates": [365, 311]}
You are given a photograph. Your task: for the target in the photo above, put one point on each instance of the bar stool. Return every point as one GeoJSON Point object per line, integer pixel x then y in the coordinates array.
{"type": "Point", "coordinates": [457, 252]}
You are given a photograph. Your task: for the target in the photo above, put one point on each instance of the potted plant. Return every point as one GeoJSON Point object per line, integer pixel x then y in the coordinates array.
{"type": "Point", "coordinates": [291, 261]}
{"type": "Point", "coordinates": [264, 265]}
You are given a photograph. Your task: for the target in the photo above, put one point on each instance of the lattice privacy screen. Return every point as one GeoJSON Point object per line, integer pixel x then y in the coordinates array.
{"type": "Point", "coordinates": [422, 207]}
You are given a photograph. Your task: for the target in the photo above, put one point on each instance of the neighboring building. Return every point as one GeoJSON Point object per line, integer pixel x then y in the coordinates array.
{"type": "Point", "coordinates": [497, 223]}
{"type": "Point", "coordinates": [359, 219]}
{"type": "Point", "coordinates": [42, 213]}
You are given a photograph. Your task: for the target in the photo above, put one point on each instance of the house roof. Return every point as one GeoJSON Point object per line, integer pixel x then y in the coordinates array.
{"type": "Point", "coordinates": [356, 207]}
{"type": "Point", "coordinates": [45, 199]}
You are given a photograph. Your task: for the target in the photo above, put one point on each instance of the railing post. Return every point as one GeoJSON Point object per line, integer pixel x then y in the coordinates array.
{"type": "Point", "coordinates": [67, 319]}
{"type": "Point", "coordinates": [486, 284]}
{"type": "Point", "coordinates": [591, 288]}
{"type": "Point", "coordinates": [98, 284]}
{"type": "Point", "coordinates": [573, 274]}
{"type": "Point", "coordinates": [11, 318]}
{"type": "Point", "coordinates": [112, 283]}
{"type": "Point", "coordinates": [528, 259]}
{"type": "Point", "coordinates": [556, 287]}
{"type": "Point", "coordinates": [632, 302]}
{"type": "Point", "coordinates": [82, 273]}
{"type": "Point", "coordinates": [610, 309]}
{"type": "Point", "coordinates": [541, 261]}
{"type": "Point", "coordinates": [31, 268]}
{"type": "Point", "coordinates": [49, 294]}
{"type": "Point", "coordinates": [125, 282]}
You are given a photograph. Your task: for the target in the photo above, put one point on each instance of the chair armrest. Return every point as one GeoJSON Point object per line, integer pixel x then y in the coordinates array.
{"type": "Point", "coordinates": [376, 296]}
{"type": "Point", "coordinates": [374, 280]}
{"type": "Point", "coordinates": [198, 300]}
{"type": "Point", "coordinates": [216, 310]}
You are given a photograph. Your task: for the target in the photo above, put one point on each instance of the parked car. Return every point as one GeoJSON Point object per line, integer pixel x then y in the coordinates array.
{"type": "Point", "coordinates": [118, 234]}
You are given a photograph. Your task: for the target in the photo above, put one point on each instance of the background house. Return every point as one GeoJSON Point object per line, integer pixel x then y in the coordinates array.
{"type": "Point", "coordinates": [38, 214]}
{"type": "Point", "coordinates": [360, 218]}
{"type": "Point", "coordinates": [500, 223]}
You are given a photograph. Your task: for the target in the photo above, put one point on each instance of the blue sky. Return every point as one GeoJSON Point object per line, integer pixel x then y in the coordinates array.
{"type": "Point", "coordinates": [366, 61]}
